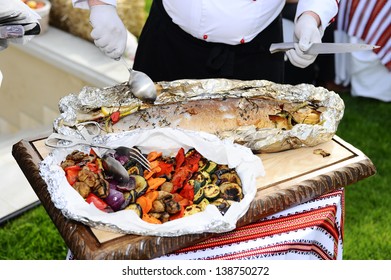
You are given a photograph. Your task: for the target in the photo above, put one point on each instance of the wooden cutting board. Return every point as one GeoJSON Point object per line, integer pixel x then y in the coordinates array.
{"type": "Point", "coordinates": [292, 177]}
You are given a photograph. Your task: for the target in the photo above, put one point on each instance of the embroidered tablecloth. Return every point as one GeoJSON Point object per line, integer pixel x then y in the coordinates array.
{"type": "Point", "coordinates": [369, 21]}
{"type": "Point", "coordinates": [312, 230]}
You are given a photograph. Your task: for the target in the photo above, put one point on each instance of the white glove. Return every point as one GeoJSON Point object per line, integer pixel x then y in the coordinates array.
{"type": "Point", "coordinates": [306, 33]}
{"type": "Point", "coordinates": [109, 32]}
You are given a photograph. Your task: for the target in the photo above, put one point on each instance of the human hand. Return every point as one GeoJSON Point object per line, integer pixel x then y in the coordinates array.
{"type": "Point", "coordinates": [109, 32]}
{"type": "Point", "coordinates": [306, 33]}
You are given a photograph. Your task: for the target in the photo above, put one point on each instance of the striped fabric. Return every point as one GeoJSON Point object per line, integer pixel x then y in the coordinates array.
{"type": "Point", "coordinates": [312, 230]}
{"type": "Point", "coordinates": [309, 231]}
{"type": "Point", "coordinates": [369, 20]}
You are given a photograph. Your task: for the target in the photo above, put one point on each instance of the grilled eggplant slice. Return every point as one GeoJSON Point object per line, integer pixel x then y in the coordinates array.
{"type": "Point", "coordinates": [136, 208]}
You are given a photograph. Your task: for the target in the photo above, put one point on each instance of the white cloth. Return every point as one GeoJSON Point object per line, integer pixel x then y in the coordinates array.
{"type": "Point", "coordinates": [370, 21]}
{"type": "Point", "coordinates": [366, 22]}
{"type": "Point", "coordinates": [369, 77]}
{"type": "Point", "coordinates": [232, 22]}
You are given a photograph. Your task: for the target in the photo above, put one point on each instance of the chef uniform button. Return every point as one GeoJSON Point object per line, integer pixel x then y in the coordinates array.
{"type": "Point", "coordinates": [242, 41]}
{"type": "Point", "coordinates": [205, 37]}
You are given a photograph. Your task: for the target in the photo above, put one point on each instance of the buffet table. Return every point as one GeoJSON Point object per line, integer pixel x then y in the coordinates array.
{"type": "Point", "coordinates": [297, 212]}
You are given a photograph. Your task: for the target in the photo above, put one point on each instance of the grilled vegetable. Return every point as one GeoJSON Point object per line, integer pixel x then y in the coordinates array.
{"type": "Point", "coordinates": [231, 191]}
{"type": "Point", "coordinates": [199, 196]}
{"type": "Point", "coordinates": [209, 167]}
{"type": "Point", "coordinates": [192, 209]}
{"type": "Point", "coordinates": [136, 208]}
{"type": "Point", "coordinates": [141, 184]}
{"type": "Point", "coordinates": [211, 191]}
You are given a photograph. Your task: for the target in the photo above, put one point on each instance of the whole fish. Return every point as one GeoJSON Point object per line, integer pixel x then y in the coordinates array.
{"type": "Point", "coordinates": [261, 115]}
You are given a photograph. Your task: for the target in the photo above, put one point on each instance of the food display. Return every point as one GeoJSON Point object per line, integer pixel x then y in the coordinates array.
{"type": "Point", "coordinates": [195, 182]}
{"type": "Point", "coordinates": [225, 121]}
{"type": "Point", "coordinates": [175, 187]}
{"type": "Point", "coordinates": [261, 115]}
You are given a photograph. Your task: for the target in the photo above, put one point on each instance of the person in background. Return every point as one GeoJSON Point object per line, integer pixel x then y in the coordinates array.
{"type": "Point", "coordinates": [367, 72]}
{"type": "Point", "coordinates": [319, 73]}
{"type": "Point", "coordinates": [212, 39]}
{"type": "Point", "coordinates": [18, 24]}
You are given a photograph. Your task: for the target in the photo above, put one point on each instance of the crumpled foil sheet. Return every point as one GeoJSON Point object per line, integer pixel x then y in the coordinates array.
{"type": "Point", "coordinates": [259, 140]}
{"type": "Point", "coordinates": [168, 140]}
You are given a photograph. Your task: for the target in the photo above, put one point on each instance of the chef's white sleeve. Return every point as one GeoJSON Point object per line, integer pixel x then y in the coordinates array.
{"type": "Point", "coordinates": [325, 9]}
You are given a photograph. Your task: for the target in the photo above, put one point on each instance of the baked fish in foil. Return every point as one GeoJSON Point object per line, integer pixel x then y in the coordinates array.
{"type": "Point", "coordinates": [259, 114]}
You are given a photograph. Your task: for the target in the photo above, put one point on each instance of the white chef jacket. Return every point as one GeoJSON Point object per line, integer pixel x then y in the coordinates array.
{"type": "Point", "coordinates": [233, 21]}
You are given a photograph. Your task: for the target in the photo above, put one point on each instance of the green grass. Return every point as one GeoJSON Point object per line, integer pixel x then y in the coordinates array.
{"type": "Point", "coordinates": [365, 125]}
{"type": "Point", "coordinates": [32, 236]}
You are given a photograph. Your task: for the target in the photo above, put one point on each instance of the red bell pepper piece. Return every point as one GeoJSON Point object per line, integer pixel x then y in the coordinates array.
{"type": "Point", "coordinates": [179, 214]}
{"type": "Point", "coordinates": [71, 173]}
{"type": "Point", "coordinates": [180, 158]}
{"type": "Point", "coordinates": [187, 192]}
{"type": "Point", "coordinates": [115, 117]}
{"type": "Point", "coordinates": [165, 169]}
{"type": "Point", "coordinates": [192, 161]}
{"type": "Point", "coordinates": [98, 202]}
{"type": "Point", "coordinates": [180, 176]}
{"type": "Point", "coordinates": [93, 167]}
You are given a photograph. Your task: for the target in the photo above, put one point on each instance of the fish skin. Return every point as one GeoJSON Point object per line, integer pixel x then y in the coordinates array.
{"type": "Point", "coordinates": [223, 117]}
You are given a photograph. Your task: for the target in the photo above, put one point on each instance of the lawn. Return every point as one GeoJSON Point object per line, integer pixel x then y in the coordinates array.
{"type": "Point", "coordinates": [366, 125]}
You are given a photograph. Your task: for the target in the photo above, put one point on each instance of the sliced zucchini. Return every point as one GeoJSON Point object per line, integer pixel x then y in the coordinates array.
{"type": "Point", "coordinates": [210, 167]}
{"type": "Point", "coordinates": [231, 191]}
{"type": "Point", "coordinates": [199, 196]}
{"type": "Point", "coordinates": [198, 180]}
{"type": "Point", "coordinates": [206, 177]}
{"type": "Point", "coordinates": [192, 209]}
{"type": "Point", "coordinates": [190, 152]}
{"type": "Point", "coordinates": [204, 202]}
{"type": "Point", "coordinates": [222, 205]}
{"type": "Point", "coordinates": [201, 164]}
{"type": "Point", "coordinates": [231, 177]}
{"type": "Point", "coordinates": [211, 191]}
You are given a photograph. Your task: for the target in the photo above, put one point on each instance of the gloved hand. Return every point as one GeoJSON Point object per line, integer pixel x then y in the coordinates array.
{"type": "Point", "coordinates": [109, 32]}
{"type": "Point", "coordinates": [306, 33]}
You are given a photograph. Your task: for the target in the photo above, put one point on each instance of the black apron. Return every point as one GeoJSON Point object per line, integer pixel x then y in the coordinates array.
{"type": "Point", "coordinates": [165, 52]}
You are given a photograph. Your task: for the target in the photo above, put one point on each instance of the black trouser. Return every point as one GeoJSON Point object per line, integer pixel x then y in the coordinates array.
{"type": "Point", "coordinates": [165, 52]}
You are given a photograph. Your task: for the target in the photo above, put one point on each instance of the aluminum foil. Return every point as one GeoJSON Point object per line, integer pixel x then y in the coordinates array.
{"type": "Point", "coordinates": [259, 140]}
